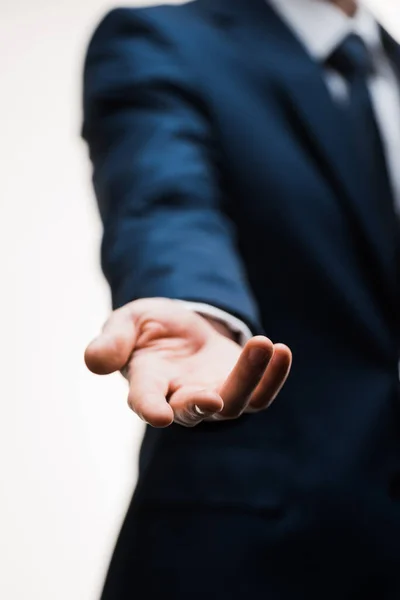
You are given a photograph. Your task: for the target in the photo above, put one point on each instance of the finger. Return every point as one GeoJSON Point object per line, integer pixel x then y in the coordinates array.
{"type": "Point", "coordinates": [246, 375]}
{"type": "Point", "coordinates": [148, 387]}
{"type": "Point", "coordinates": [111, 350]}
{"type": "Point", "coordinates": [191, 405]}
{"type": "Point", "coordinates": [273, 379]}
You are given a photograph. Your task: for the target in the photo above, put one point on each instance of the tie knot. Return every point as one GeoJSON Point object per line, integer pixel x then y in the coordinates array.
{"type": "Point", "coordinates": [352, 58]}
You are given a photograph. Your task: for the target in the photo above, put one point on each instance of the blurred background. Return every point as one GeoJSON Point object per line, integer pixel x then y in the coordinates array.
{"type": "Point", "coordinates": [68, 443]}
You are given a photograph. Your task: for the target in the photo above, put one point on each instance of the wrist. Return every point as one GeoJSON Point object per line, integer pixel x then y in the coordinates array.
{"type": "Point", "coordinates": [221, 328]}
{"type": "Point", "coordinates": [224, 322]}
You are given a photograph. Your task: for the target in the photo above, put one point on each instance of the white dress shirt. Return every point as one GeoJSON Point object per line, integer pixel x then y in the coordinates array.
{"type": "Point", "coordinates": [321, 27]}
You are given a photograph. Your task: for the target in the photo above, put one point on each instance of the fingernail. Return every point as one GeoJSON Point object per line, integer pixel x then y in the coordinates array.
{"type": "Point", "coordinates": [206, 414]}
{"type": "Point", "coordinates": [258, 356]}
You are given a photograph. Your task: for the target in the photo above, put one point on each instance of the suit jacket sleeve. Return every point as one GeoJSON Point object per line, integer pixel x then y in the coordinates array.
{"type": "Point", "coordinates": [156, 174]}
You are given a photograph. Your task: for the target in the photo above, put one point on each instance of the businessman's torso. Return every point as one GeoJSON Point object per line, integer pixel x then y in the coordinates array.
{"type": "Point", "coordinates": [324, 458]}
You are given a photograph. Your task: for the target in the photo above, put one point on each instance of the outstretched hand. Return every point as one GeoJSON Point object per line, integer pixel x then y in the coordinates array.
{"type": "Point", "coordinates": [181, 369]}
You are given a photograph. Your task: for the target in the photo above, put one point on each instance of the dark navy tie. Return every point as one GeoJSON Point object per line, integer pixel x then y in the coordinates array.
{"type": "Point", "coordinates": [353, 61]}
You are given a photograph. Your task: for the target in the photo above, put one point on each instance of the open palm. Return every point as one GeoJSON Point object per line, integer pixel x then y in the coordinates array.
{"type": "Point", "coordinates": [180, 368]}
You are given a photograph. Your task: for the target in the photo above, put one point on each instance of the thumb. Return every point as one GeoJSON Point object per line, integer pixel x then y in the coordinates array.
{"type": "Point", "coordinates": [111, 350]}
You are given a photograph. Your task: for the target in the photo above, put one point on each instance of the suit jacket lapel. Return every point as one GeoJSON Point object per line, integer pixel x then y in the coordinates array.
{"type": "Point", "coordinates": [392, 48]}
{"type": "Point", "coordinates": [279, 56]}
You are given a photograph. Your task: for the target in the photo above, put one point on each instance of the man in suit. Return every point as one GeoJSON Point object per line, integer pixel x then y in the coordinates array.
{"type": "Point", "coordinates": [247, 168]}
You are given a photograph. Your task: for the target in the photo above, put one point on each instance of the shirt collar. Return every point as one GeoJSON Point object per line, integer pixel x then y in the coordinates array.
{"type": "Point", "coordinates": [321, 26]}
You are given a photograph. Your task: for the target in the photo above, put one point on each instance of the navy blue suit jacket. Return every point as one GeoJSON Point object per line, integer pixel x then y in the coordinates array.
{"type": "Point", "coordinates": [224, 174]}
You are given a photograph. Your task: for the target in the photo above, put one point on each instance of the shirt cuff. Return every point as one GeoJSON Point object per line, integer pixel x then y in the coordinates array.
{"type": "Point", "coordinates": [233, 323]}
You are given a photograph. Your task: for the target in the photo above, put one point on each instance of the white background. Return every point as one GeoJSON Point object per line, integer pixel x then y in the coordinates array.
{"type": "Point", "coordinates": [68, 442]}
